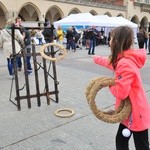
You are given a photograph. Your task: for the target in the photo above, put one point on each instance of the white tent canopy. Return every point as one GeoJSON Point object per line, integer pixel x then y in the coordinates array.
{"type": "Point", "coordinates": [87, 19]}
{"type": "Point", "coordinates": [102, 20]}
{"type": "Point", "coordinates": [118, 21]}
{"type": "Point", "coordinates": [80, 19]}
{"type": "Point", "coordinates": [111, 22]}
{"type": "Point", "coordinates": [106, 21]}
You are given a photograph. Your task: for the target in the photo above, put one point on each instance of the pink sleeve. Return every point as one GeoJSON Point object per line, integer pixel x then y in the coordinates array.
{"type": "Point", "coordinates": [124, 76]}
{"type": "Point", "coordinates": [103, 61]}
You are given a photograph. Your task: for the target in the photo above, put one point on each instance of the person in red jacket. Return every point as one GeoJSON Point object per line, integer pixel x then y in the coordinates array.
{"type": "Point", "coordinates": [125, 62]}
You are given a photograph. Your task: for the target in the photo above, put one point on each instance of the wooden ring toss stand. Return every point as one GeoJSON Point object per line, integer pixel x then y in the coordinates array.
{"type": "Point", "coordinates": [63, 52]}
{"type": "Point", "coordinates": [119, 114]}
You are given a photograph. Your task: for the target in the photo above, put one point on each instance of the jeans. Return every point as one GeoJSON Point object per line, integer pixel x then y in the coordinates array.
{"type": "Point", "coordinates": [92, 46]}
{"type": "Point", "coordinates": [28, 63]}
{"type": "Point", "coordinates": [140, 139]}
{"type": "Point", "coordinates": [19, 62]}
{"type": "Point", "coordinates": [71, 44]}
{"type": "Point", "coordinates": [40, 41]}
{"type": "Point", "coordinates": [145, 43]}
{"type": "Point", "coordinates": [141, 44]}
{"type": "Point", "coordinates": [10, 65]}
{"type": "Point", "coordinates": [28, 50]}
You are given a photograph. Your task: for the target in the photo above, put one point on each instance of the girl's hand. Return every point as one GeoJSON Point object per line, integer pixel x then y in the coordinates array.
{"type": "Point", "coordinates": [96, 59]}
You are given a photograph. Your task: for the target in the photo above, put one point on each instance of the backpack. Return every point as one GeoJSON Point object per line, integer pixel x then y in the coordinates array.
{"type": "Point", "coordinates": [47, 32]}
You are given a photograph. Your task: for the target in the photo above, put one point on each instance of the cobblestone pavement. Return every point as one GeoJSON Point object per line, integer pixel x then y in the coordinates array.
{"type": "Point", "coordinates": [39, 129]}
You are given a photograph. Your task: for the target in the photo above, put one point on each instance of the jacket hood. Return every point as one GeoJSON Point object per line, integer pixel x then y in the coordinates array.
{"type": "Point", "coordinates": [137, 56]}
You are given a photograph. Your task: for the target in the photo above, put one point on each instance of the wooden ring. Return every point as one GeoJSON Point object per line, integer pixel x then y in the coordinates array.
{"type": "Point", "coordinates": [58, 113]}
{"type": "Point", "coordinates": [61, 50]}
{"type": "Point", "coordinates": [118, 115]}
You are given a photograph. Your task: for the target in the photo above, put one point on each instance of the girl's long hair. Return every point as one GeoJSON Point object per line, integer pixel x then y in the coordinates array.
{"type": "Point", "coordinates": [122, 38]}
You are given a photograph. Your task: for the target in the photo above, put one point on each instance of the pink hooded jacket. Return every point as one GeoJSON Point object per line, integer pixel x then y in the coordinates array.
{"type": "Point", "coordinates": [128, 83]}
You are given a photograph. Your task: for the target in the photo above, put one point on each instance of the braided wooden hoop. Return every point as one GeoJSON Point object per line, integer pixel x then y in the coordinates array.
{"type": "Point", "coordinates": [61, 50]}
{"type": "Point", "coordinates": [58, 114]}
{"type": "Point", "coordinates": [119, 114]}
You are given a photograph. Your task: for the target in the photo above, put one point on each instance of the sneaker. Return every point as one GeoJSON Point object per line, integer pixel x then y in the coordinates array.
{"type": "Point", "coordinates": [11, 77]}
{"type": "Point", "coordinates": [29, 71]}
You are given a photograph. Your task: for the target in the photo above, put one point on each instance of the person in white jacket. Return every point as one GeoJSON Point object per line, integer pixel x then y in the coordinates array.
{"type": "Point", "coordinates": [6, 44]}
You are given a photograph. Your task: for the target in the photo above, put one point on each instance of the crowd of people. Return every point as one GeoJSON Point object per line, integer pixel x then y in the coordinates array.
{"type": "Point", "coordinates": [73, 38]}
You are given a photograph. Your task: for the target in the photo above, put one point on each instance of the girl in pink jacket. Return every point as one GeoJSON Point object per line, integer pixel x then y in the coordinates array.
{"type": "Point", "coordinates": [126, 63]}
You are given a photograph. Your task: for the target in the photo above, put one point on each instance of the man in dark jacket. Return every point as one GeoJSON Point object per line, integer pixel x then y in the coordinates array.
{"type": "Point", "coordinates": [92, 33]}
{"type": "Point", "coordinates": [70, 39]}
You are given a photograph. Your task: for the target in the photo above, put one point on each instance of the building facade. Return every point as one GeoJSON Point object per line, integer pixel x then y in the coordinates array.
{"type": "Point", "coordinates": [137, 11]}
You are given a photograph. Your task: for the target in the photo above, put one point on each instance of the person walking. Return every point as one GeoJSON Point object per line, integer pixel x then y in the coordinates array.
{"type": "Point", "coordinates": [70, 39]}
{"type": "Point", "coordinates": [141, 38]}
{"type": "Point", "coordinates": [59, 37]}
{"type": "Point", "coordinates": [39, 36]}
{"type": "Point", "coordinates": [125, 62]}
{"type": "Point", "coordinates": [27, 42]}
{"type": "Point", "coordinates": [6, 45]}
{"type": "Point", "coordinates": [145, 39]}
{"type": "Point", "coordinates": [18, 23]}
{"type": "Point", "coordinates": [92, 32]}
{"type": "Point", "coordinates": [87, 39]}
